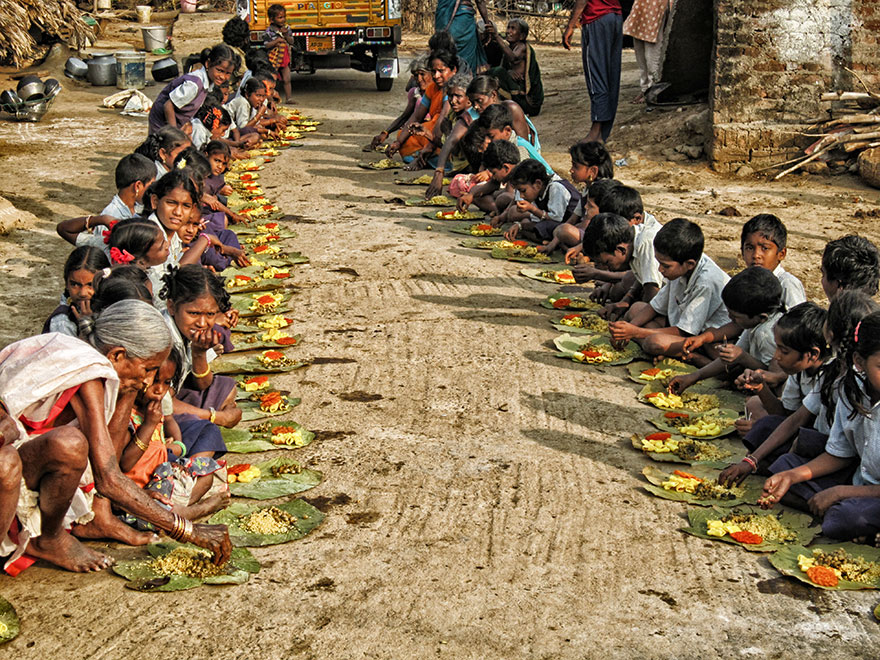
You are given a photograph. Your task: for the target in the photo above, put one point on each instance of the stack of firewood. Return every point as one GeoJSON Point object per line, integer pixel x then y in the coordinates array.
{"type": "Point", "coordinates": [853, 130]}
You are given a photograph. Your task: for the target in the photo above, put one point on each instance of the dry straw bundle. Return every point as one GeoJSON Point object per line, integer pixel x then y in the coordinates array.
{"type": "Point", "coordinates": [55, 19]}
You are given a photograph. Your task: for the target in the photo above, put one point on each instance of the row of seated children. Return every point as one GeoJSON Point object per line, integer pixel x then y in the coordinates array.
{"type": "Point", "coordinates": [161, 239]}
{"type": "Point", "coordinates": [813, 374]}
{"type": "Point", "coordinates": [661, 290]}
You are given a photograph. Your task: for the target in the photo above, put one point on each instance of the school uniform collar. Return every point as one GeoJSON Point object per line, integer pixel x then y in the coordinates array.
{"type": "Point", "coordinates": [779, 271]}
{"type": "Point", "coordinates": [702, 264]}
{"type": "Point", "coordinates": [161, 170]}
{"type": "Point", "coordinates": [202, 74]}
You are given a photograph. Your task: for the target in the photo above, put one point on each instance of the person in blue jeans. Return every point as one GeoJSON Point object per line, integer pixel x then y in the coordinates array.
{"type": "Point", "coordinates": [601, 24]}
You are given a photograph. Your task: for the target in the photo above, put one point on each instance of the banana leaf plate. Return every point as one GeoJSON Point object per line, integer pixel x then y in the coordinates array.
{"type": "Point", "coordinates": [244, 177]}
{"type": "Point", "coordinates": [253, 341]}
{"type": "Point", "coordinates": [569, 346]}
{"type": "Point", "coordinates": [569, 303]}
{"type": "Point", "coordinates": [519, 255]}
{"type": "Point", "coordinates": [142, 576]}
{"type": "Point", "coordinates": [438, 200]}
{"type": "Point", "coordinates": [480, 243]}
{"type": "Point", "coordinates": [249, 324]}
{"type": "Point", "coordinates": [705, 398]}
{"type": "Point", "coordinates": [799, 524]}
{"type": "Point", "coordinates": [265, 229]}
{"type": "Point", "coordinates": [307, 519]}
{"type": "Point", "coordinates": [242, 303]}
{"type": "Point", "coordinates": [10, 625]}
{"type": "Point", "coordinates": [453, 215]}
{"type": "Point", "coordinates": [242, 394]}
{"type": "Point", "coordinates": [549, 275]}
{"type": "Point", "coordinates": [785, 560]}
{"type": "Point", "coordinates": [746, 493]}
{"type": "Point", "coordinates": [251, 411]}
{"type": "Point", "coordinates": [667, 422]}
{"type": "Point", "coordinates": [593, 324]}
{"type": "Point", "coordinates": [466, 229]}
{"type": "Point", "coordinates": [247, 284]}
{"type": "Point", "coordinates": [259, 437]}
{"type": "Point", "coordinates": [250, 363]}
{"type": "Point", "coordinates": [729, 451]}
{"type": "Point", "coordinates": [267, 487]}
{"type": "Point", "coordinates": [424, 180]}
{"type": "Point", "coordinates": [378, 165]}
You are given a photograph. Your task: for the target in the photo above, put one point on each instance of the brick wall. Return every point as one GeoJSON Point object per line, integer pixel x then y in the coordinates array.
{"type": "Point", "coordinates": [773, 60]}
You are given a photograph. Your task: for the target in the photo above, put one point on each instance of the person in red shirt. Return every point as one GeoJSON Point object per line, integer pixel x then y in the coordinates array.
{"type": "Point", "coordinates": [601, 24]}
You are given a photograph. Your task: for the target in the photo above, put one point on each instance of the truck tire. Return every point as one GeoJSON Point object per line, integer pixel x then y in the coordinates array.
{"type": "Point", "coordinates": [384, 84]}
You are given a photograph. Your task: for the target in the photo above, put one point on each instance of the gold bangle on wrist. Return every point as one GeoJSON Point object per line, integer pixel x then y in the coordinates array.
{"type": "Point", "coordinates": [207, 371]}
{"type": "Point", "coordinates": [140, 445]}
{"type": "Point", "coordinates": [213, 416]}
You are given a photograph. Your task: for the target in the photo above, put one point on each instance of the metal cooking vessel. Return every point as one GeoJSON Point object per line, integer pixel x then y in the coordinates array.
{"type": "Point", "coordinates": [165, 69]}
{"type": "Point", "coordinates": [76, 67]}
{"type": "Point", "coordinates": [9, 101]}
{"type": "Point", "coordinates": [51, 87]}
{"type": "Point", "coordinates": [32, 88]}
{"type": "Point", "coordinates": [102, 70]}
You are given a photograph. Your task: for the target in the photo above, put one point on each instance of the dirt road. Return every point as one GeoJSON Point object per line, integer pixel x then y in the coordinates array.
{"type": "Point", "coordinates": [482, 498]}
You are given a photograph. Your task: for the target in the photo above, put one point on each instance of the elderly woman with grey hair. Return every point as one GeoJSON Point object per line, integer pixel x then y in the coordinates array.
{"type": "Point", "coordinates": [66, 405]}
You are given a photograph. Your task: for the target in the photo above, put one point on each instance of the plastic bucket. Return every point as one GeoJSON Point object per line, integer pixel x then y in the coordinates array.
{"type": "Point", "coordinates": [144, 13]}
{"type": "Point", "coordinates": [130, 69]}
{"type": "Point", "coordinates": [188, 6]}
{"type": "Point", "coordinates": [155, 37]}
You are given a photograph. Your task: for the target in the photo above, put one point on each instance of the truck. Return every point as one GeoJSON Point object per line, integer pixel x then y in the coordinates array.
{"type": "Point", "coordinates": [340, 34]}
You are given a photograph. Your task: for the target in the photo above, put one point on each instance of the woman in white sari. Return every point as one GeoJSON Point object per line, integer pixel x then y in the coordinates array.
{"type": "Point", "coordinates": [71, 402]}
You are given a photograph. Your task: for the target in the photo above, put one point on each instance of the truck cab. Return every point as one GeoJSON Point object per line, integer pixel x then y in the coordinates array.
{"type": "Point", "coordinates": [340, 34]}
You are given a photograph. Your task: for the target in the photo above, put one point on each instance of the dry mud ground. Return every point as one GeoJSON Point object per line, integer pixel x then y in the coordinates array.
{"type": "Point", "coordinates": [482, 497]}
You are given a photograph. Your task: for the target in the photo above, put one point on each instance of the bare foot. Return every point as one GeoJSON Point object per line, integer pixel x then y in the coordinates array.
{"type": "Point", "coordinates": [639, 99]}
{"type": "Point", "coordinates": [205, 507]}
{"type": "Point", "coordinates": [66, 552]}
{"type": "Point", "coordinates": [111, 527]}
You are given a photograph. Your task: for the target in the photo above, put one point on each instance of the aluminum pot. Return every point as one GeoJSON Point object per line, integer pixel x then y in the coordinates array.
{"type": "Point", "coordinates": [102, 70]}
{"type": "Point", "coordinates": [165, 69]}
{"type": "Point", "coordinates": [27, 80]}
{"type": "Point", "coordinates": [76, 68]}
{"type": "Point", "coordinates": [30, 87]}
{"type": "Point", "coordinates": [51, 88]}
{"type": "Point", "coordinates": [9, 101]}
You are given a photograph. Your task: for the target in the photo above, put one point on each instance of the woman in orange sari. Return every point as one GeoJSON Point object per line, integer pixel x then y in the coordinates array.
{"type": "Point", "coordinates": [418, 134]}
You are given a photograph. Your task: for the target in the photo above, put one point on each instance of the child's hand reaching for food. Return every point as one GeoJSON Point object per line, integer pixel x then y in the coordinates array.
{"type": "Point", "coordinates": [730, 353]}
{"type": "Point", "coordinates": [750, 380]}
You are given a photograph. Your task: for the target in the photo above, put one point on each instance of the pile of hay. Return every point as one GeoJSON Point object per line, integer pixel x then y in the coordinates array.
{"type": "Point", "coordinates": [24, 22]}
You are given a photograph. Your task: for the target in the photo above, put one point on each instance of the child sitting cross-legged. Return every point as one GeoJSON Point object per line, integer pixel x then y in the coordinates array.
{"type": "Point", "coordinates": [686, 305]}
{"type": "Point", "coordinates": [134, 175]}
{"type": "Point", "coordinates": [499, 160]}
{"type": "Point", "coordinates": [546, 200]}
{"type": "Point", "coordinates": [614, 244]}
{"type": "Point", "coordinates": [626, 202]}
{"type": "Point", "coordinates": [805, 431]}
{"type": "Point", "coordinates": [191, 487]}
{"type": "Point", "coordinates": [753, 299]}
{"type": "Point", "coordinates": [590, 164]}
{"type": "Point", "coordinates": [801, 351]}
{"type": "Point", "coordinates": [763, 242]}
{"type": "Point", "coordinates": [842, 485]}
